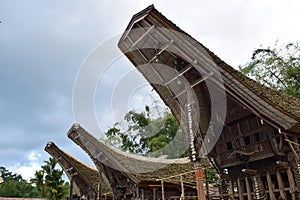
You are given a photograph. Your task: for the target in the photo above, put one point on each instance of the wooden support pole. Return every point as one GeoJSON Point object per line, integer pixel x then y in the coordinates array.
{"type": "Point", "coordinates": [199, 181]}
{"type": "Point", "coordinates": [270, 186]}
{"type": "Point", "coordinates": [71, 188]}
{"type": "Point", "coordinates": [143, 194]}
{"type": "Point", "coordinates": [291, 183]}
{"type": "Point", "coordinates": [182, 187]}
{"type": "Point", "coordinates": [231, 190]}
{"type": "Point", "coordinates": [137, 192]}
{"type": "Point", "coordinates": [99, 195]}
{"type": "Point", "coordinates": [162, 190]}
{"type": "Point", "coordinates": [248, 188]}
{"type": "Point", "coordinates": [280, 184]}
{"type": "Point", "coordinates": [240, 188]}
{"type": "Point", "coordinates": [206, 184]}
{"type": "Point", "coordinates": [154, 193]}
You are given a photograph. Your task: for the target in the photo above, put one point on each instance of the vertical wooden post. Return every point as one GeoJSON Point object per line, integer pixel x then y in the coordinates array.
{"type": "Point", "coordinates": [270, 186]}
{"type": "Point", "coordinates": [99, 195]}
{"type": "Point", "coordinates": [231, 190]}
{"type": "Point", "coordinates": [137, 192]}
{"type": "Point", "coordinates": [291, 183]}
{"type": "Point", "coordinates": [143, 194]}
{"type": "Point", "coordinates": [248, 188]}
{"type": "Point", "coordinates": [206, 184]}
{"type": "Point", "coordinates": [280, 184]}
{"type": "Point", "coordinates": [199, 181]}
{"type": "Point", "coordinates": [240, 189]}
{"type": "Point", "coordinates": [182, 187]}
{"type": "Point", "coordinates": [154, 193]}
{"type": "Point", "coordinates": [71, 188]}
{"type": "Point", "coordinates": [162, 190]}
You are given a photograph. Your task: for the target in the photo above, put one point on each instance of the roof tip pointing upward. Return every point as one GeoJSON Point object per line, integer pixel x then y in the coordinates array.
{"type": "Point", "coordinates": [280, 110]}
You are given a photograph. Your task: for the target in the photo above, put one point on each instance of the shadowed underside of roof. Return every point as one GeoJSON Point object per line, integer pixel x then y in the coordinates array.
{"type": "Point", "coordinates": [275, 107]}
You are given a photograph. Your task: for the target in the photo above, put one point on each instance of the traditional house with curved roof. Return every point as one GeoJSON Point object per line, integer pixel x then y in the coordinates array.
{"type": "Point", "coordinates": [250, 131]}
{"type": "Point", "coordinates": [84, 179]}
{"type": "Point", "coordinates": [132, 176]}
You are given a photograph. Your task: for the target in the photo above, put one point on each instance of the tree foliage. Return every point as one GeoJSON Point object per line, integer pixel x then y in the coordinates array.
{"type": "Point", "coordinates": [49, 181]}
{"type": "Point", "coordinates": [277, 67]}
{"type": "Point", "coordinates": [15, 186]}
{"type": "Point", "coordinates": [146, 135]}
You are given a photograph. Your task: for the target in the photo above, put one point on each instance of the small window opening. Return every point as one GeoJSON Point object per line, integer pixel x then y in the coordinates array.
{"type": "Point", "coordinates": [257, 137]}
{"type": "Point", "coordinates": [247, 140]}
{"type": "Point", "coordinates": [229, 146]}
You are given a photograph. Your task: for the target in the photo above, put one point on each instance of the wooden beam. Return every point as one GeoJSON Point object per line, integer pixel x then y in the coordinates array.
{"type": "Point", "coordinates": [292, 147]}
{"type": "Point", "coordinates": [154, 193]}
{"type": "Point", "coordinates": [145, 34]}
{"type": "Point", "coordinates": [231, 190]}
{"type": "Point", "coordinates": [99, 194]}
{"type": "Point", "coordinates": [290, 176]}
{"type": "Point", "coordinates": [162, 190]}
{"type": "Point", "coordinates": [240, 189]}
{"type": "Point", "coordinates": [248, 188]}
{"type": "Point", "coordinates": [291, 183]}
{"type": "Point", "coordinates": [280, 184]}
{"type": "Point", "coordinates": [180, 73]}
{"type": "Point", "coordinates": [71, 188]}
{"type": "Point", "coordinates": [270, 186]}
{"type": "Point", "coordinates": [182, 187]}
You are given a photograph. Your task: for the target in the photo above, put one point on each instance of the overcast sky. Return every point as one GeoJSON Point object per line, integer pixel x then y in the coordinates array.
{"type": "Point", "coordinates": [44, 43]}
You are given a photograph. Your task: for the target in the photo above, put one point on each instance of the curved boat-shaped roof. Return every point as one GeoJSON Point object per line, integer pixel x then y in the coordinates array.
{"type": "Point", "coordinates": [275, 107]}
{"type": "Point", "coordinates": [85, 177]}
{"type": "Point", "coordinates": [137, 168]}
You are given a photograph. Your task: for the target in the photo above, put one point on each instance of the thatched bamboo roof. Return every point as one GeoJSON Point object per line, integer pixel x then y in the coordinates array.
{"type": "Point", "coordinates": [275, 107]}
{"type": "Point", "coordinates": [85, 177]}
{"type": "Point", "coordinates": [137, 168]}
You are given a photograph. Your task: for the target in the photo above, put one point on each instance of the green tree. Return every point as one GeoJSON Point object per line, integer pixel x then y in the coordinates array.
{"type": "Point", "coordinates": [146, 135]}
{"type": "Point", "coordinates": [49, 181]}
{"type": "Point", "coordinates": [38, 180]}
{"type": "Point", "coordinates": [15, 186]}
{"type": "Point", "coordinates": [277, 67]}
